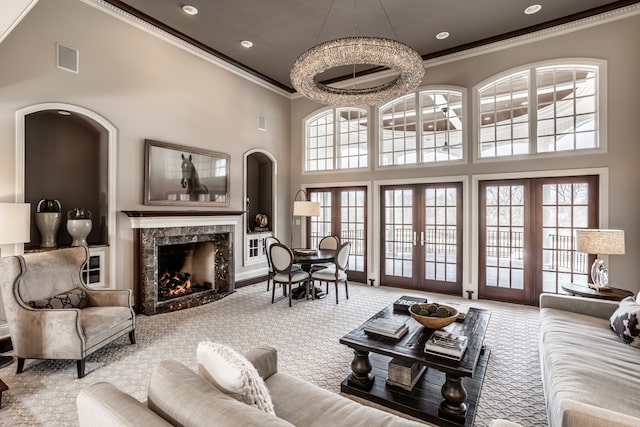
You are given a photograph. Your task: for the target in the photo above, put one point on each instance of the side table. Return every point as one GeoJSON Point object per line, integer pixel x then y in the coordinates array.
{"type": "Point", "coordinates": [612, 294]}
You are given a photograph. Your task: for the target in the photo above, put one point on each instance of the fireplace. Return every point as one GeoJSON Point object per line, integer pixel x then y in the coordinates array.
{"type": "Point", "coordinates": [185, 269]}
{"type": "Point", "coordinates": [184, 260]}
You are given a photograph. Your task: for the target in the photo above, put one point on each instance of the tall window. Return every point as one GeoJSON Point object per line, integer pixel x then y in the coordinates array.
{"type": "Point", "coordinates": [343, 213]}
{"type": "Point", "coordinates": [527, 235]}
{"type": "Point", "coordinates": [337, 139]}
{"type": "Point", "coordinates": [423, 127]}
{"type": "Point", "coordinates": [547, 108]}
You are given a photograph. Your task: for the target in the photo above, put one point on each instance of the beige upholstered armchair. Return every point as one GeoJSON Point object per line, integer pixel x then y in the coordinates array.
{"type": "Point", "coordinates": [53, 315]}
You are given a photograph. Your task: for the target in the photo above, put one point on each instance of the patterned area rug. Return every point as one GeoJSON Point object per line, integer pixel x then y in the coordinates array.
{"type": "Point", "coordinates": [306, 336]}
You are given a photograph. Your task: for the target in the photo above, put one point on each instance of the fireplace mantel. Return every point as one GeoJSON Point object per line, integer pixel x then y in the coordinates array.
{"type": "Point", "coordinates": [163, 218]}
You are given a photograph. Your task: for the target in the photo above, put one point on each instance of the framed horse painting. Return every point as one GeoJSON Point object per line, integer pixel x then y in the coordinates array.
{"type": "Point", "coordinates": [185, 176]}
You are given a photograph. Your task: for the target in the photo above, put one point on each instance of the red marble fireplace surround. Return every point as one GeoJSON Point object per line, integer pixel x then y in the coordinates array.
{"type": "Point", "coordinates": [207, 236]}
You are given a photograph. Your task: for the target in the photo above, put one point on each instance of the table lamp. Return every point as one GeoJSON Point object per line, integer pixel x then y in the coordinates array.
{"type": "Point", "coordinates": [600, 242]}
{"type": "Point", "coordinates": [15, 227]}
{"type": "Point", "coordinates": [303, 207]}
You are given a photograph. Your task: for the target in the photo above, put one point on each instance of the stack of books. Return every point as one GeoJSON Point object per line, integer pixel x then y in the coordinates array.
{"type": "Point", "coordinates": [386, 327]}
{"type": "Point", "coordinates": [403, 303]}
{"type": "Point", "coordinates": [404, 374]}
{"type": "Point", "coordinates": [446, 344]}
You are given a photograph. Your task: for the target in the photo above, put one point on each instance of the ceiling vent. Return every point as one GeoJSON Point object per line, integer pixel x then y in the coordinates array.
{"type": "Point", "coordinates": [67, 58]}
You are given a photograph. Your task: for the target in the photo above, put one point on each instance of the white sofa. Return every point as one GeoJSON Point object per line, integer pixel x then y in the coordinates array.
{"type": "Point", "coordinates": [590, 376]}
{"type": "Point", "coordinates": [179, 396]}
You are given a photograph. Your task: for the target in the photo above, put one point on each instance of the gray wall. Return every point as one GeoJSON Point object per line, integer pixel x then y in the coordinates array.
{"type": "Point", "coordinates": [615, 42]}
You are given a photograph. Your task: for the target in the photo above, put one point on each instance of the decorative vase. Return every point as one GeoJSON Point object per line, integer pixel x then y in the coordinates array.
{"type": "Point", "coordinates": [79, 225]}
{"type": "Point", "coordinates": [48, 219]}
{"type": "Point", "coordinates": [79, 230]}
{"type": "Point", "coordinates": [48, 224]}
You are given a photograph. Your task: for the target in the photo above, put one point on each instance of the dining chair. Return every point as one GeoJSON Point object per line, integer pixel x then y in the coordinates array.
{"type": "Point", "coordinates": [268, 241]}
{"type": "Point", "coordinates": [338, 272]}
{"type": "Point", "coordinates": [327, 242]}
{"type": "Point", "coordinates": [284, 271]}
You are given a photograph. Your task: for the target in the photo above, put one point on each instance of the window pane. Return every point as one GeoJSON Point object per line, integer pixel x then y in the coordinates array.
{"type": "Point", "coordinates": [441, 126]}
{"type": "Point", "coordinates": [566, 96]}
{"type": "Point", "coordinates": [352, 138]}
{"type": "Point", "coordinates": [502, 104]}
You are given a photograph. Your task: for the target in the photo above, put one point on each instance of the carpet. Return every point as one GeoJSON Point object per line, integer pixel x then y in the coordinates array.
{"type": "Point", "coordinates": [306, 336]}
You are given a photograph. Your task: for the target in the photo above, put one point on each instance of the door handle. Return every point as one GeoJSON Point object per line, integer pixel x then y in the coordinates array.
{"type": "Point", "coordinates": [422, 242]}
{"type": "Point", "coordinates": [415, 238]}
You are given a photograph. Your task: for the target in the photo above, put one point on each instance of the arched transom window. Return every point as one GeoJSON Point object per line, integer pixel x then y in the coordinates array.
{"type": "Point", "coordinates": [541, 109]}
{"type": "Point", "coordinates": [337, 139]}
{"type": "Point", "coordinates": [423, 127]}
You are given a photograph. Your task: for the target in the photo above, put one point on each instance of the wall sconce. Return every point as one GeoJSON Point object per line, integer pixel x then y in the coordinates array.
{"type": "Point", "coordinates": [600, 242]}
{"type": "Point", "coordinates": [304, 208]}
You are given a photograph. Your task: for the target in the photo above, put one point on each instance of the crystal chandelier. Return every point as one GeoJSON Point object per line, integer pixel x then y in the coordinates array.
{"type": "Point", "coordinates": [351, 51]}
{"type": "Point", "coordinates": [357, 50]}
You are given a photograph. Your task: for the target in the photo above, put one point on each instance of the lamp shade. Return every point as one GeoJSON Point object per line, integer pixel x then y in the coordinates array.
{"type": "Point", "coordinates": [600, 242]}
{"type": "Point", "coordinates": [15, 222]}
{"type": "Point", "coordinates": [306, 208]}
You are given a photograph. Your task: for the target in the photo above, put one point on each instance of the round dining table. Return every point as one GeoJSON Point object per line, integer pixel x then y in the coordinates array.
{"type": "Point", "coordinates": [306, 258]}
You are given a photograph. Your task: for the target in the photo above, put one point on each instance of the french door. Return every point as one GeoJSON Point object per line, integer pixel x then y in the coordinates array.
{"type": "Point", "coordinates": [527, 235]}
{"type": "Point", "coordinates": [422, 237]}
{"type": "Point", "coordinates": [343, 213]}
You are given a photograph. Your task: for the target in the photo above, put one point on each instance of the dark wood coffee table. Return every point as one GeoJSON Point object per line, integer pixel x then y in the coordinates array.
{"type": "Point", "coordinates": [448, 391]}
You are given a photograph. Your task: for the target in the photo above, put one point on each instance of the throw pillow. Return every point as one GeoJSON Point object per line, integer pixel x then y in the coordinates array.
{"type": "Point", "coordinates": [233, 374]}
{"type": "Point", "coordinates": [624, 321]}
{"type": "Point", "coordinates": [75, 298]}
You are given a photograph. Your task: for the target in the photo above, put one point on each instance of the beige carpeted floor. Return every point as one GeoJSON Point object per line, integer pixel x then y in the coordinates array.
{"type": "Point", "coordinates": [306, 336]}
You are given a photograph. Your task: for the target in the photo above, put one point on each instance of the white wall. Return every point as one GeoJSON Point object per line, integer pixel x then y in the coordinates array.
{"type": "Point", "coordinates": [148, 89]}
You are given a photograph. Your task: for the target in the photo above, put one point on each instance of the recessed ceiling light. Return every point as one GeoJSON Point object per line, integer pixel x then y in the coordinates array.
{"type": "Point", "coordinates": [534, 8]}
{"type": "Point", "coordinates": [246, 43]}
{"type": "Point", "coordinates": [442, 35]}
{"type": "Point", "coordinates": [64, 113]}
{"type": "Point", "coordinates": [190, 10]}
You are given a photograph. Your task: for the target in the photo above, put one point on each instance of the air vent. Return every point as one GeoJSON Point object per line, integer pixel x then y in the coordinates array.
{"type": "Point", "coordinates": [67, 58]}
{"type": "Point", "coordinates": [262, 124]}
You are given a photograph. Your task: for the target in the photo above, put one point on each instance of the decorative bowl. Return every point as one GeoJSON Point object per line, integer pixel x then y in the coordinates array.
{"type": "Point", "coordinates": [433, 322]}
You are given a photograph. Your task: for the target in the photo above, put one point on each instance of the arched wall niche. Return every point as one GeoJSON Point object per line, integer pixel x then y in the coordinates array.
{"type": "Point", "coordinates": [260, 188]}
{"type": "Point", "coordinates": [260, 179]}
{"type": "Point", "coordinates": [67, 152]}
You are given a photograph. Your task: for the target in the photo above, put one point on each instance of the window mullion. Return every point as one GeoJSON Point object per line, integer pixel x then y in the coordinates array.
{"type": "Point", "coordinates": [533, 112]}
{"type": "Point", "coordinates": [419, 118]}
{"type": "Point", "coordinates": [336, 138]}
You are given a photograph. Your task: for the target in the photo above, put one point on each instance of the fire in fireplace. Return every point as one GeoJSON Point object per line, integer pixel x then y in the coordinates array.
{"type": "Point", "coordinates": [185, 269]}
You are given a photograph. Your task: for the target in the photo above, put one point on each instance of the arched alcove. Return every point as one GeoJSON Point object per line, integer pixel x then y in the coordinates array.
{"type": "Point", "coordinates": [259, 188]}
{"type": "Point", "coordinates": [67, 153]}
{"type": "Point", "coordinates": [65, 160]}
{"type": "Point", "coordinates": [260, 198]}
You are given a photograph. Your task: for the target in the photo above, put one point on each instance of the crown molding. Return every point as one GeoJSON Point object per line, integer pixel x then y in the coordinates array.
{"type": "Point", "coordinates": [558, 30]}
{"type": "Point", "coordinates": [555, 31]}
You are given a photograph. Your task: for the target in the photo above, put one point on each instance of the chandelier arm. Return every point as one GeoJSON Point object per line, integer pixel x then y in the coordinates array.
{"type": "Point", "coordinates": [324, 22]}
{"type": "Point", "coordinates": [395, 35]}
